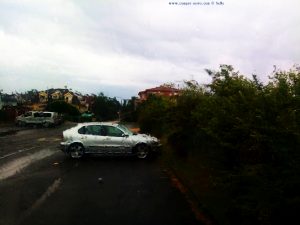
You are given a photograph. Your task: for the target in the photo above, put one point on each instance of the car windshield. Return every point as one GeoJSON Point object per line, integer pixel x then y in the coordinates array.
{"type": "Point", "coordinates": [125, 129]}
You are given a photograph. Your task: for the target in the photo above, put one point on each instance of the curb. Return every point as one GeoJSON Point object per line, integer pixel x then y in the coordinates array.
{"type": "Point", "coordinates": [200, 212]}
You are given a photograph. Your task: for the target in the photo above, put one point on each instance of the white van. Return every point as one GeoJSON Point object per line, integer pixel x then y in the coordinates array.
{"type": "Point", "coordinates": [46, 119]}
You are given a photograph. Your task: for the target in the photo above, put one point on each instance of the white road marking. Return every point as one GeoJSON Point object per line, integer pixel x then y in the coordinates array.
{"type": "Point", "coordinates": [51, 189]}
{"type": "Point", "coordinates": [19, 151]}
{"type": "Point", "coordinates": [11, 168]}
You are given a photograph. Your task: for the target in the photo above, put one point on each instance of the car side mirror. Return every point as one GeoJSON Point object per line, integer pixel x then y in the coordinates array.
{"type": "Point", "coordinates": [125, 135]}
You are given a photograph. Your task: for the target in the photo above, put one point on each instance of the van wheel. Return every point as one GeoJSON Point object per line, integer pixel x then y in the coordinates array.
{"type": "Point", "coordinates": [21, 124]}
{"type": "Point", "coordinates": [46, 124]}
{"type": "Point", "coordinates": [76, 151]}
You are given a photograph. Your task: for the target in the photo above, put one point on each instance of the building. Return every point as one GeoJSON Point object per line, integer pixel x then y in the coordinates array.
{"type": "Point", "coordinates": [160, 91]}
{"type": "Point", "coordinates": [56, 95]}
{"type": "Point", "coordinates": [68, 97]}
{"type": "Point", "coordinates": [43, 97]}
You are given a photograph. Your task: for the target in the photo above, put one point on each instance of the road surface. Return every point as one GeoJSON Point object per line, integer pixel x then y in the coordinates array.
{"type": "Point", "coordinates": [40, 185]}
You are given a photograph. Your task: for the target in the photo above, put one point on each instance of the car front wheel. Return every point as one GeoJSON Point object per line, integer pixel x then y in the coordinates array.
{"type": "Point", "coordinates": [142, 151]}
{"type": "Point", "coordinates": [76, 151]}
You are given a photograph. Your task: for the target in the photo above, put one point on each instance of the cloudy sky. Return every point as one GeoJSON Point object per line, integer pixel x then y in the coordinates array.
{"type": "Point", "coordinates": [120, 47]}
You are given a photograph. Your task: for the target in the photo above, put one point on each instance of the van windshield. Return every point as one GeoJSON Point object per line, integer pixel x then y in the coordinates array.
{"type": "Point", "coordinates": [27, 114]}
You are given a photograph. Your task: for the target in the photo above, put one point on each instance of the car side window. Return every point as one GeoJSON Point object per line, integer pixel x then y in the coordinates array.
{"type": "Point", "coordinates": [36, 115]}
{"type": "Point", "coordinates": [81, 130]}
{"type": "Point", "coordinates": [93, 130]}
{"type": "Point", "coordinates": [113, 131]}
{"type": "Point", "coordinates": [103, 131]}
{"type": "Point", "coordinates": [47, 114]}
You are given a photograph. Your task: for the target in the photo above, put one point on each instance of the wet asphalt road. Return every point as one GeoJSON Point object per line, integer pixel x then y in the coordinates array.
{"type": "Point", "coordinates": [40, 185]}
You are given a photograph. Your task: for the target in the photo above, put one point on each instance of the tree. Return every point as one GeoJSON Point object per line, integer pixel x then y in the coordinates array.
{"type": "Point", "coordinates": [128, 110]}
{"type": "Point", "coordinates": [246, 132]}
{"type": "Point", "coordinates": [63, 107]}
{"type": "Point", "coordinates": [32, 96]}
{"type": "Point", "coordinates": [154, 114]}
{"type": "Point", "coordinates": [105, 108]}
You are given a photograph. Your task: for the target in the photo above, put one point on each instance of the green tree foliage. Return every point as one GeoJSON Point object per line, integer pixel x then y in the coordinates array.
{"type": "Point", "coordinates": [63, 108]}
{"type": "Point", "coordinates": [3, 116]}
{"type": "Point", "coordinates": [105, 108]}
{"type": "Point", "coordinates": [32, 96]}
{"type": "Point", "coordinates": [181, 125]}
{"type": "Point", "coordinates": [249, 128]}
{"type": "Point", "coordinates": [128, 110]}
{"type": "Point", "coordinates": [154, 114]}
{"type": "Point", "coordinates": [250, 121]}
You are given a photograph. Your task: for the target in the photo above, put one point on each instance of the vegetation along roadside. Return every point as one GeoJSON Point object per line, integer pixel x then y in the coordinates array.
{"type": "Point", "coordinates": [235, 142]}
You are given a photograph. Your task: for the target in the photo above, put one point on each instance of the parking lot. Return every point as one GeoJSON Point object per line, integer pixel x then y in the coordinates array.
{"type": "Point", "coordinates": [40, 185]}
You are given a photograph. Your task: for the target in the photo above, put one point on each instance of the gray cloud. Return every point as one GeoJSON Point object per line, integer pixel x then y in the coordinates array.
{"type": "Point", "coordinates": [121, 47]}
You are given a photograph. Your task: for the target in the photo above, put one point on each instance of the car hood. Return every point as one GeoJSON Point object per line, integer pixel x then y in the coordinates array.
{"type": "Point", "coordinates": [143, 138]}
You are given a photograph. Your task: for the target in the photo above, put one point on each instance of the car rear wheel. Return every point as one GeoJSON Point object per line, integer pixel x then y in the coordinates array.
{"type": "Point", "coordinates": [76, 151]}
{"type": "Point", "coordinates": [142, 151]}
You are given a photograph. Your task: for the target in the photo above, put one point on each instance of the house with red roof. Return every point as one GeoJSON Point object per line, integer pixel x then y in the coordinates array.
{"type": "Point", "coordinates": [160, 91]}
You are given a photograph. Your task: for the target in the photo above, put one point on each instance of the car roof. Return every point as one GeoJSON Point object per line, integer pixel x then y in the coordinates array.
{"type": "Point", "coordinates": [41, 112]}
{"type": "Point", "coordinates": [98, 123]}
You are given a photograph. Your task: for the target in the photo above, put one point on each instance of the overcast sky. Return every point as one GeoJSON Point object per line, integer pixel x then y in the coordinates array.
{"type": "Point", "coordinates": [120, 47]}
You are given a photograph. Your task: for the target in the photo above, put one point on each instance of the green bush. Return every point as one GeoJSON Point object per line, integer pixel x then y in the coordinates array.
{"type": "Point", "coordinates": [248, 121]}
{"type": "Point", "coordinates": [154, 114]}
{"type": "Point", "coordinates": [235, 123]}
{"type": "Point", "coordinates": [3, 116]}
{"type": "Point", "coordinates": [70, 111]}
{"type": "Point", "coordinates": [105, 108]}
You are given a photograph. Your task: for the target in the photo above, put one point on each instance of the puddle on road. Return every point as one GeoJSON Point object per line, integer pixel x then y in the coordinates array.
{"type": "Point", "coordinates": [11, 168]}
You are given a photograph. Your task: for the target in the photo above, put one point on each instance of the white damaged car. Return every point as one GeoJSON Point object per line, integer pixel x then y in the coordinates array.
{"type": "Point", "coordinates": [107, 139]}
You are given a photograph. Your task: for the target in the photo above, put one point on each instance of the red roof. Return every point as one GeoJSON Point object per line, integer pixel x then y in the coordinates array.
{"type": "Point", "coordinates": [160, 89]}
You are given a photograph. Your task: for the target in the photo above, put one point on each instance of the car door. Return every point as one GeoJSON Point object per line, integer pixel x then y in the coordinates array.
{"type": "Point", "coordinates": [35, 119]}
{"type": "Point", "coordinates": [26, 117]}
{"type": "Point", "coordinates": [114, 140]}
{"type": "Point", "coordinates": [92, 139]}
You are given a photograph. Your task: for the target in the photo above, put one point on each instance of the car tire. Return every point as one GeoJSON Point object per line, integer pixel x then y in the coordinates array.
{"type": "Point", "coordinates": [76, 151]}
{"type": "Point", "coordinates": [21, 123]}
{"type": "Point", "coordinates": [142, 151]}
{"type": "Point", "coordinates": [46, 124]}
